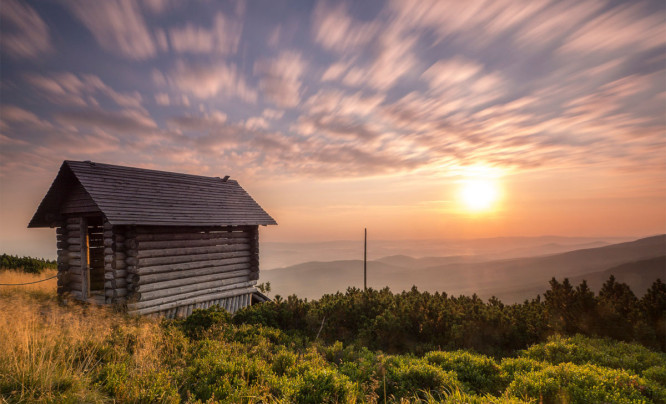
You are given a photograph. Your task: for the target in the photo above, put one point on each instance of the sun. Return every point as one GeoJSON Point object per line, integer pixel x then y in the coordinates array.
{"type": "Point", "coordinates": [479, 194]}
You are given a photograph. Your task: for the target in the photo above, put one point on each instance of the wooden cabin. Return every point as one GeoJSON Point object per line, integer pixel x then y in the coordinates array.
{"type": "Point", "coordinates": [155, 242]}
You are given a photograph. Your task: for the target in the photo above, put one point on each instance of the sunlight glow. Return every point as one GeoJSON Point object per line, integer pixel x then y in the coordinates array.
{"type": "Point", "coordinates": [479, 189]}
{"type": "Point", "coordinates": [479, 194]}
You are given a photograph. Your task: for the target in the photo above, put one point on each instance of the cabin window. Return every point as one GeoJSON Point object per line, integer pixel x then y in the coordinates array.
{"type": "Point", "coordinates": [95, 257]}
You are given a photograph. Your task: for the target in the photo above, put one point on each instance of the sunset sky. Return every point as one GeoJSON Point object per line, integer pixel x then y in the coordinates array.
{"type": "Point", "coordinates": [418, 120]}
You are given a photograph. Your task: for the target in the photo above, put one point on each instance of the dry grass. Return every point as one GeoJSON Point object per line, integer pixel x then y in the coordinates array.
{"type": "Point", "coordinates": [9, 276]}
{"type": "Point", "coordinates": [50, 350]}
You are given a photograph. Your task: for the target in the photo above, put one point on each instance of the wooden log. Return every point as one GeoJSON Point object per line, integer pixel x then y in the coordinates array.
{"type": "Point", "coordinates": [75, 262]}
{"type": "Point", "coordinates": [115, 275]}
{"type": "Point", "coordinates": [146, 262]}
{"type": "Point", "coordinates": [74, 240]}
{"type": "Point", "coordinates": [75, 270]}
{"type": "Point", "coordinates": [73, 220]}
{"type": "Point", "coordinates": [175, 235]}
{"type": "Point", "coordinates": [141, 230]}
{"type": "Point", "coordinates": [60, 231]}
{"type": "Point", "coordinates": [118, 292]}
{"type": "Point", "coordinates": [254, 276]}
{"type": "Point", "coordinates": [169, 252]}
{"type": "Point", "coordinates": [204, 298]}
{"type": "Point", "coordinates": [119, 283]}
{"type": "Point", "coordinates": [107, 225]}
{"type": "Point", "coordinates": [75, 285]}
{"type": "Point", "coordinates": [107, 233]}
{"type": "Point", "coordinates": [131, 261]}
{"type": "Point", "coordinates": [72, 227]}
{"type": "Point", "coordinates": [147, 270]}
{"type": "Point", "coordinates": [70, 254]}
{"type": "Point", "coordinates": [111, 257]}
{"type": "Point", "coordinates": [142, 279]}
{"type": "Point", "coordinates": [151, 245]}
{"type": "Point", "coordinates": [189, 284]}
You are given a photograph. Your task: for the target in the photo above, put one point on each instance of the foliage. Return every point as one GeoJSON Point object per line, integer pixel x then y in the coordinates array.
{"type": "Point", "coordinates": [418, 322]}
{"type": "Point", "coordinates": [54, 351]}
{"type": "Point", "coordinates": [25, 264]}
{"type": "Point", "coordinates": [587, 383]}
{"type": "Point", "coordinates": [478, 373]}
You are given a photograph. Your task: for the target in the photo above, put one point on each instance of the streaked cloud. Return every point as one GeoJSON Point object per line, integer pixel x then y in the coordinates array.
{"type": "Point", "coordinates": [280, 78]}
{"type": "Point", "coordinates": [24, 34]}
{"type": "Point", "coordinates": [223, 37]}
{"type": "Point", "coordinates": [210, 80]}
{"type": "Point", "coordinates": [117, 25]}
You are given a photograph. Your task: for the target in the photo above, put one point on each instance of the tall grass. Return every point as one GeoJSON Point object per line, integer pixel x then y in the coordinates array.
{"type": "Point", "coordinates": [12, 277]}
{"type": "Point", "coordinates": [50, 350]}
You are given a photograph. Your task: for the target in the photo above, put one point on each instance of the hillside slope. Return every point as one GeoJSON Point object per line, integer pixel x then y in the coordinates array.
{"type": "Point", "coordinates": [511, 280]}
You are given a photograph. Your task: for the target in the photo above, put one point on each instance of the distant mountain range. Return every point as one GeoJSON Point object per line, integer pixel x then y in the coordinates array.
{"type": "Point", "coordinates": [637, 263]}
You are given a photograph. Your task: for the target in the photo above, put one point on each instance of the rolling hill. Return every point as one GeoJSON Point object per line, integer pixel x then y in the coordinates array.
{"type": "Point", "coordinates": [511, 280]}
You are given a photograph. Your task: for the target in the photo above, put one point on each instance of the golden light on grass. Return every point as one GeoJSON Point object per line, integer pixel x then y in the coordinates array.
{"type": "Point", "coordinates": [49, 345]}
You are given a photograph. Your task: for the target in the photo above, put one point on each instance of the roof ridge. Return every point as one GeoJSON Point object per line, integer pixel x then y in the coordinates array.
{"type": "Point", "coordinates": [95, 163]}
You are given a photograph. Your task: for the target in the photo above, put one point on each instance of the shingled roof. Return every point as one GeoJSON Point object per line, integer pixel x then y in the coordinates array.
{"type": "Point", "coordinates": [136, 196]}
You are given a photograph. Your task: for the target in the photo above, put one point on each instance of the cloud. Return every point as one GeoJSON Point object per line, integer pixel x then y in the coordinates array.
{"type": "Point", "coordinates": [126, 121]}
{"type": "Point", "coordinates": [24, 33]}
{"type": "Point", "coordinates": [117, 25]}
{"type": "Point", "coordinates": [222, 38]}
{"type": "Point", "coordinates": [8, 141]}
{"type": "Point", "coordinates": [68, 88]}
{"type": "Point", "coordinates": [209, 80]}
{"type": "Point", "coordinates": [281, 78]}
{"type": "Point", "coordinates": [334, 29]}
{"type": "Point", "coordinates": [623, 28]}
{"type": "Point", "coordinates": [162, 99]}
{"type": "Point", "coordinates": [452, 71]}
{"type": "Point", "coordinates": [199, 123]}
{"type": "Point", "coordinates": [373, 53]}
{"type": "Point", "coordinates": [337, 127]}
{"type": "Point", "coordinates": [16, 115]}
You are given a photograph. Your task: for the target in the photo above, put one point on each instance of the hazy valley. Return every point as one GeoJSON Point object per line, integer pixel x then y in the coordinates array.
{"type": "Point", "coordinates": [512, 269]}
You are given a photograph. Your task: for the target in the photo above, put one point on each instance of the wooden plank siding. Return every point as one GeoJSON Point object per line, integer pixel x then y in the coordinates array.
{"type": "Point", "coordinates": [214, 264]}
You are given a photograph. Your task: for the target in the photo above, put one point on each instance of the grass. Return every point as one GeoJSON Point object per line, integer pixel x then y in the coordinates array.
{"type": "Point", "coordinates": [49, 347]}
{"type": "Point", "coordinates": [58, 351]}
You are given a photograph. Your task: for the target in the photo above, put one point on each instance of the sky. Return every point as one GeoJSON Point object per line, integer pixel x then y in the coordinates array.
{"type": "Point", "coordinates": [418, 120]}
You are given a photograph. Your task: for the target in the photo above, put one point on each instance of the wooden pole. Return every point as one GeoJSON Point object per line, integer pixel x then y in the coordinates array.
{"type": "Point", "coordinates": [365, 261]}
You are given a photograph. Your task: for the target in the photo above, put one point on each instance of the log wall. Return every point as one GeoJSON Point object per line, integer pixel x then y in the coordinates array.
{"type": "Point", "coordinates": [71, 253]}
{"type": "Point", "coordinates": [171, 271]}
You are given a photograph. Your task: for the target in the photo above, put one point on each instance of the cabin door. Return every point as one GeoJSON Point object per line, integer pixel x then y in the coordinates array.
{"type": "Point", "coordinates": [95, 258]}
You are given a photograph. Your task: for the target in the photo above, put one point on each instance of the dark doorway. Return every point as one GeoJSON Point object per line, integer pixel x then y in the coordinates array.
{"type": "Point", "coordinates": [95, 243]}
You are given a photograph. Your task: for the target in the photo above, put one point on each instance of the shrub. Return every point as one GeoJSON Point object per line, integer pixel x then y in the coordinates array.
{"type": "Point", "coordinates": [321, 385]}
{"type": "Point", "coordinates": [406, 377]}
{"type": "Point", "coordinates": [149, 386]}
{"type": "Point", "coordinates": [602, 352]}
{"type": "Point", "coordinates": [478, 373]}
{"type": "Point", "coordinates": [572, 383]}
{"type": "Point", "coordinates": [200, 322]}
{"type": "Point", "coordinates": [656, 373]}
